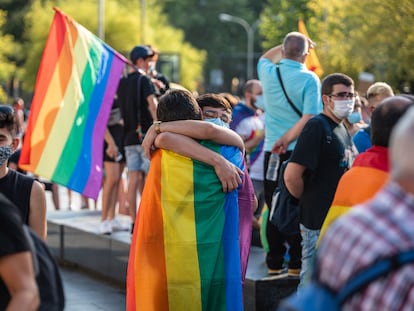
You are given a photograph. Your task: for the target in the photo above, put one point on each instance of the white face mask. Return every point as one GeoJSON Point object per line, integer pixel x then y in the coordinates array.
{"type": "Point", "coordinates": [343, 108]}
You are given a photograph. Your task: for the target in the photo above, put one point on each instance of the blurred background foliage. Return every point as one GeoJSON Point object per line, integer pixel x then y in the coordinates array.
{"type": "Point", "coordinates": [353, 37]}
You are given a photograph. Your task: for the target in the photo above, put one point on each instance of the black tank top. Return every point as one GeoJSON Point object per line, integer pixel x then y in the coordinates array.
{"type": "Point", "coordinates": [17, 188]}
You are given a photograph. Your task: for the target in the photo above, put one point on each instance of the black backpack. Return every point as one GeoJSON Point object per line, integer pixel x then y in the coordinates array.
{"type": "Point", "coordinates": [48, 278]}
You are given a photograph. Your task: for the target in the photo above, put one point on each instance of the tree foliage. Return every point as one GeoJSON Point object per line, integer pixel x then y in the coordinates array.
{"type": "Point", "coordinates": [352, 36]}
{"type": "Point", "coordinates": [122, 32]}
{"type": "Point", "coordinates": [7, 67]}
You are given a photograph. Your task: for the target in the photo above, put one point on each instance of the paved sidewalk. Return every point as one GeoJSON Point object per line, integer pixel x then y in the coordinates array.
{"type": "Point", "coordinates": [85, 292]}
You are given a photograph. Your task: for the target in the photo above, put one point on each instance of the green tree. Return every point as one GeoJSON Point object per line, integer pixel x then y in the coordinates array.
{"type": "Point", "coordinates": [7, 67]}
{"type": "Point", "coordinates": [122, 32]}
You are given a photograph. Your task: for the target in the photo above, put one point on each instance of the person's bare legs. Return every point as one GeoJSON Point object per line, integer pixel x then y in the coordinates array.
{"type": "Point", "coordinates": [122, 194]}
{"type": "Point", "coordinates": [55, 196]}
{"type": "Point", "coordinates": [110, 190]}
{"type": "Point", "coordinates": [136, 180]}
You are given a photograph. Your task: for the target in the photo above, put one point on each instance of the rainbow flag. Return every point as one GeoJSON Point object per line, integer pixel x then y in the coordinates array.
{"type": "Point", "coordinates": [368, 174]}
{"type": "Point", "coordinates": [185, 252]}
{"type": "Point", "coordinates": [312, 61]}
{"type": "Point", "coordinates": [75, 87]}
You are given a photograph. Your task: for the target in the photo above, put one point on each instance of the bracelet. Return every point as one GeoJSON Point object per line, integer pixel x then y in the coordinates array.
{"type": "Point", "coordinates": [157, 127]}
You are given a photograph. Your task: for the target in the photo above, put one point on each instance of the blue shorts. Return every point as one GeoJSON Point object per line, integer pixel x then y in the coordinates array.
{"type": "Point", "coordinates": [135, 159]}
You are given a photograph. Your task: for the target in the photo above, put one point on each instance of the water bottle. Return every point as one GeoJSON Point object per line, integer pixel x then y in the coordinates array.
{"type": "Point", "coordinates": [271, 173]}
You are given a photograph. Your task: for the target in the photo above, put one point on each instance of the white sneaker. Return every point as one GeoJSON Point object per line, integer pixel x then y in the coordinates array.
{"type": "Point", "coordinates": [116, 225]}
{"type": "Point", "coordinates": [105, 227]}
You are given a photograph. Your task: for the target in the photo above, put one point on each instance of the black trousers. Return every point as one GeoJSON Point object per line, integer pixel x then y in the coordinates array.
{"type": "Point", "coordinates": [275, 238]}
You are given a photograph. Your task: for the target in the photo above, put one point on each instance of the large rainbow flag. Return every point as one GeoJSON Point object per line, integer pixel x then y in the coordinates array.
{"type": "Point", "coordinates": [368, 174]}
{"type": "Point", "coordinates": [312, 61]}
{"type": "Point", "coordinates": [75, 87]}
{"type": "Point", "coordinates": [185, 252]}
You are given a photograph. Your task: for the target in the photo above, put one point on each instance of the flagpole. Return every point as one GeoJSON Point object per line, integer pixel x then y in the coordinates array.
{"type": "Point", "coordinates": [101, 27]}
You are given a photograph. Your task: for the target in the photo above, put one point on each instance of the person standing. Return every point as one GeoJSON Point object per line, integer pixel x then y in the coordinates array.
{"type": "Point", "coordinates": [323, 153]}
{"type": "Point", "coordinates": [138, 103]}
{"type": "Point", "coordinates": [18, 287]}
{"type": "Point", "coordinates": [185, 249]}
{"type": "Point", "coordinates": [370, 169]}
{"type": "Point", "coordinates": [25, 192]}
{"type": "Point", "coordinates": [283, 125]}
{"type": "Point", "coordinates": [248, 122]}
{"type": "Point", "coordinates": [378, 228]}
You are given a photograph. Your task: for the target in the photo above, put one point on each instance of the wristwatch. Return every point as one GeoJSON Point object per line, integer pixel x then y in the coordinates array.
{"type": "Point", "coordinates": [157, 127]}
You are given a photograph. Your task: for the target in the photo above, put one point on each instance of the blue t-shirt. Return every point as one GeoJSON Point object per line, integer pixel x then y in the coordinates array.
{"type": "Point", "coordinates": [362, 140]}
{"type": "Point", "coordinates": [302, 86]}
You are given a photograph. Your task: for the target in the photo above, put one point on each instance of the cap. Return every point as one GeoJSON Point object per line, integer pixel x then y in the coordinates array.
{"type": "Point", "coordinates": [140, 51]}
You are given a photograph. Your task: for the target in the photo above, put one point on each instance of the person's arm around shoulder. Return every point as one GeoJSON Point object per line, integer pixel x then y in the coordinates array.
{"type": "Point", "coordinates": [37, 215]}
{"type": "Point", "coordinates": [195, 129]}
{"type": "Point", "coordinates": [293, 177]}
{"type": "Point", "coordinates": [228, 173]}
{"type": "Point", "coordinates": [17, 273]}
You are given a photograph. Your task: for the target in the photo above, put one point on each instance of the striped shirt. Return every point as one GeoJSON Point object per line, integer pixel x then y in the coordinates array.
{"type": "Point", "coordinates": [380, 227]}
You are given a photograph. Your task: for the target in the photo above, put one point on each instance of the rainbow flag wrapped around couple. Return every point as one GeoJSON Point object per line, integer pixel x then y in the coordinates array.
{"type": "Point", "coordinates": [185, 251]}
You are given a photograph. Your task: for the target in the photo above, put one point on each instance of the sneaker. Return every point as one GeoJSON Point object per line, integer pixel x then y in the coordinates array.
{"type": "Point", "coordinates": [294, 272]}
{"type": "Point", "coordinates": [276, 271]}
{"type": "Point", "coordinates": [116, 225]}
{"type": "Point", "coordinates": [105, 227]}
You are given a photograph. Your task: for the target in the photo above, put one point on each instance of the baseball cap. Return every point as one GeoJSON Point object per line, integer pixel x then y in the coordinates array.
{"type": "Point", "coordinates": [140, 51]}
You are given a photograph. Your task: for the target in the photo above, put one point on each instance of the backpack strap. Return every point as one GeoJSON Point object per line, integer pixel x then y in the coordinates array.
{"type": "Point", "coordinates": [378, 269]}
{"type": "Point", "coordinates": [298, 112]}
{"type": "Point", "coordinates": [326, 127]}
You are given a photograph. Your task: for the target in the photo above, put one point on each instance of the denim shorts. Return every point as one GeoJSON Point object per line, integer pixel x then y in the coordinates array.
{"type": "Point", "coordinates": [135, 159]}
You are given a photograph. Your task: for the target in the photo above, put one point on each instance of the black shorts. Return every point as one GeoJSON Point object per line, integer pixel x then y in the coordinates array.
{"type": "Point", "coordinates": [117, 132]}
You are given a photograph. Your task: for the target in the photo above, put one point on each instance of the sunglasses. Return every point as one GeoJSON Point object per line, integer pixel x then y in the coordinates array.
{"type": "Point", "coordinates": [6, 113]}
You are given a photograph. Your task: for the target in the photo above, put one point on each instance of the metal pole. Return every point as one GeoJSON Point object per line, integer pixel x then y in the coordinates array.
{"type": "Point", "coordinates": [143, 14]}
{"type": "Point", "coordinates": [250, 39]}
{"type": "Point", "coordinates": [101, 26]}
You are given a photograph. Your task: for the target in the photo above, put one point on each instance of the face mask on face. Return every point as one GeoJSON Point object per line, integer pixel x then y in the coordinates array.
{"type": "Point", "coordinates": [5, 153]}
{"type": "Point", "coordinates": [260, 103]}
{"type": "Point", "coordinates": [218, 121]}
{"type": "Point", "coordinates": [354, 117]}
{"type": "Point", "coordinates": [343, 108]}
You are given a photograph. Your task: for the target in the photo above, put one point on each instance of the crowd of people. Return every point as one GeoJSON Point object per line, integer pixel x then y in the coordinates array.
{"type": "Point", "coordinates": [196, 188]}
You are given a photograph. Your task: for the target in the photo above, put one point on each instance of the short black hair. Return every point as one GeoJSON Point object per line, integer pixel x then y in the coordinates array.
{"type": "Point", "coordinates": [8, 119]}
{"type": "Point", "coordinates": [386, 116]}
{"type": "Point", "coordinates": [178, 105]}
{"type": "Point", "coordinates": [335, 78]}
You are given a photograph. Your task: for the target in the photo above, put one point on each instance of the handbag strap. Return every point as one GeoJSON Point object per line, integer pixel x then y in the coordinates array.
{"type": "Point", "coordinates": [373, 272]}
{"type": "Point", "coordinates": [284, 91]}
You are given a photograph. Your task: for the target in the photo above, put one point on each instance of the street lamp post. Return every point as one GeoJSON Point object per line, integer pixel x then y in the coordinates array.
{"type": "Point", "coordinates": [250, 38]}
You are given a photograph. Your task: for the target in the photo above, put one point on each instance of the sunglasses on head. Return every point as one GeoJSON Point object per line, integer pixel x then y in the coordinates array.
{"type": "Point", "coordinates": [6, 113]}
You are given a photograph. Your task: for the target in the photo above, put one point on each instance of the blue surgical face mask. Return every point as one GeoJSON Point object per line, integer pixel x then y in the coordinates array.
{"type": "Point", "coordinates": [354, 117]}
{"type": "Point", "coordinates": [218, 121]}
{"type": "Point", "coordinates": [260, 102]}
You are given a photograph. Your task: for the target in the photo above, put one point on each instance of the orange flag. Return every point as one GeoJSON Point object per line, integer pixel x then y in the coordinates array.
{"type": "Point", "coordinates": [312, 61]}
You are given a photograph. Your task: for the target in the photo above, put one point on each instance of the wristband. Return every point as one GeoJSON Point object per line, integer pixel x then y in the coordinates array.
{"type": "Point", "coordinates": [157, 127]}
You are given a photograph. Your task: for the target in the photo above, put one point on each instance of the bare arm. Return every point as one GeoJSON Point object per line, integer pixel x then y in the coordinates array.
{"type": "Point", "coordinates": [112, 149]}
{"type": "Point", "coordinates": [17, 273]}
{"type": "Point", "coordinates": [294, 179]}
{"type": "Point", "coordinates": [274, 54]}
{"type": "Point", "coordinates": [228, 173]}
{"type": "Point", "coordinates": [37, 215]}
{"type": "Point", "coordinates": [280, 146]}
{"type": "Point", "coordinates": [152, 106]}
{"type": "Point", "coordinates": [195, 129]}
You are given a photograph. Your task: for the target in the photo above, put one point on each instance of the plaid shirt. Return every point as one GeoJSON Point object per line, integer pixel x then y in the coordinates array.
{"type": "Point", "coordinates": [380, 227]}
